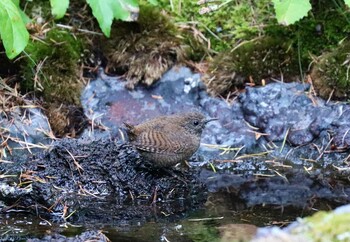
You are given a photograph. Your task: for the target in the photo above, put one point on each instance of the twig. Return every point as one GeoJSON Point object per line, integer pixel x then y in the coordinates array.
{"type": "Point", "coordinates": [319, 157]}
{"type": "Point", "coordinates": [204, 219]}
{"type": "Point", "coordinates": [75, 162]}
{"type": "Point", "coordinates": [81, 30]}
{"type": "Point", "coordinates": [284, 140]}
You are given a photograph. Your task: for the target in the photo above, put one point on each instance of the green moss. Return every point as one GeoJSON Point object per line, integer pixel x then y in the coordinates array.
{"type": "Point", "coordinates": [201, 231]}
{"type": "Point", "coordinates": [234, 21]}
{"type": "Point", "coordinates": [265, 57]}
{"type": "Point", "coordinates": [330, 73]}
{"type": "Point", "coordinates": [259, 59]}
{"type": "Point", "coordinates": [52, 67]}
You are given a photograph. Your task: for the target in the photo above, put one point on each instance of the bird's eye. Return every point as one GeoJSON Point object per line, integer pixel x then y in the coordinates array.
{"type": "Point", "coordinates": [195, 122]}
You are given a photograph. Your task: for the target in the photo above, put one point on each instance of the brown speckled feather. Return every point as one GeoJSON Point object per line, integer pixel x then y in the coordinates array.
{"type": "Point", "coordinates": [167, 140]}
{"type": "Point", "coordinates": [157, 142]}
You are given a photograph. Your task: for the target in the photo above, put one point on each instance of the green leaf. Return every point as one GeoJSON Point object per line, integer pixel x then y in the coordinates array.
{"type": "Point", "coordinates": [13, 31]}
{"type": "Point", "coordinates": [347, 2]}
{"type": "Point", "coordinates": [105, 11]}
{"type": "Point", "coordinates": [24, 16]}
{"type": "Point", "coordinates": [59, 8]}
{"type": "Point", "coordinates": [126, 10]}
{"type": "Point", "coordinates": [290, 11]}
{"type": "Point", "coordinates": [155, 2]}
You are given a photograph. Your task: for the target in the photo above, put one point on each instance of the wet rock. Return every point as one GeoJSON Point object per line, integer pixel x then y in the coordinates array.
{"type": "Point", "coordinates": [341, 127]}
{"type": "Point", "coordinates": [277, 108]}
{"type": "Point", "coordinates": [255, 182]}
{"type": "Point", "coordinates": [262, 119]}
{"type": "Point", "coordinates": [23, 131]}
{"type": "Point", "coordinates": [284, 110]}
{"type": "Point", "coordinates": [8, 192]}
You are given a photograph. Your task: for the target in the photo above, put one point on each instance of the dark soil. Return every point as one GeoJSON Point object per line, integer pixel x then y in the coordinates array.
{"type": "Point", "coordinates": [101, 181]}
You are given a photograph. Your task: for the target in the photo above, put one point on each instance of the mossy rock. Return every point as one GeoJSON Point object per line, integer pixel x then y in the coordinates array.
{"type": "Point", "coordinates": [145, 49]}
{"type": "Point", "coordinates": [262, 58]}
{"type": "Point", "coordinates": [325, 226]}
{"type": "Point", "coordinates": [330, 73]}
{"type": "Point", "coordinates": [52, 67]}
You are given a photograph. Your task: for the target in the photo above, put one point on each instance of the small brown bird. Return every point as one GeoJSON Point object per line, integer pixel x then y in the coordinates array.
{"type": "Point", "coordinates": [168, 140]}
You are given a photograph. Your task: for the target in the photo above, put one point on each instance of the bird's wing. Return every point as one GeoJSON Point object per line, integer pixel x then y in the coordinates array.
{"type": "Point", "coordinates": [156, 142]}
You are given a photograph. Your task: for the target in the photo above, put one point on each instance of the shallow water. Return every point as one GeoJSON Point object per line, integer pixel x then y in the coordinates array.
{"type": "Point", "coordinates": [200, 225]}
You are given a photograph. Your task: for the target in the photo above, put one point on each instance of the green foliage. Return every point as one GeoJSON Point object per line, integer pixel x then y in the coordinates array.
{"type": "Point", "coordinates": [59, 8]}
{"type": "Point", "coordinates": [107, 10]}
{"type": "Point", "coordinates": [25, 18]}
{"type": "Point", "coordinates": [321, 31]}
{"type": "Point", "coordinates": [153, 2]}
{"type": "Point", "coordinates": [231, 22]}
{"type": "Point", "coordinates": [15, 36]}
{"type": "Point", "coordinates": [290, 11]}
{"type": "Point", "coordinates": [13, 32]}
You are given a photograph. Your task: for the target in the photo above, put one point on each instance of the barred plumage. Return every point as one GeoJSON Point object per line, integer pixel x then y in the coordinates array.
{"type": "Point", "coordinates": [168, 140]}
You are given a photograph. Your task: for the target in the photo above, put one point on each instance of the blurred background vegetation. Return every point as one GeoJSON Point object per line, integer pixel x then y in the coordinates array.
{"type": "Point", "coordinates": [233, 43]}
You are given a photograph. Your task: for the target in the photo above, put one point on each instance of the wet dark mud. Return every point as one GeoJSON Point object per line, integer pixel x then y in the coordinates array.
{"type": "Point", "coordinates": [92, 179]}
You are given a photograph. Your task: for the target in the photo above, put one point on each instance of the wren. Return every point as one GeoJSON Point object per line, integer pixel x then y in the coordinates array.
{"type": "Point", "coordinates": [167, 140]}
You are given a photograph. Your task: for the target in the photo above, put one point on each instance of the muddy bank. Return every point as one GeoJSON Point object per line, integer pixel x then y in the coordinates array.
{"type": "Point", "coordinates": [84, 181]}
{"type": "Point", "coordinates": [105, 183]}
{"type": "Point", "coordinates": [87, 180]}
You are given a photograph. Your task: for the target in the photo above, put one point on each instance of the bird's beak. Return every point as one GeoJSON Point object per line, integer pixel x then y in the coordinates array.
{"type": "Point", "coordinates": [209, 120]}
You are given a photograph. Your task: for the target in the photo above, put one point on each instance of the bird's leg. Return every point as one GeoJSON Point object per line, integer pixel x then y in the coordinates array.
{"type": "Point", "coordinates": [187, 164]}
{"type": "Point", "coordinates": [171, 172]}
{"type": "Point", "coordinates": [183, 167]}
